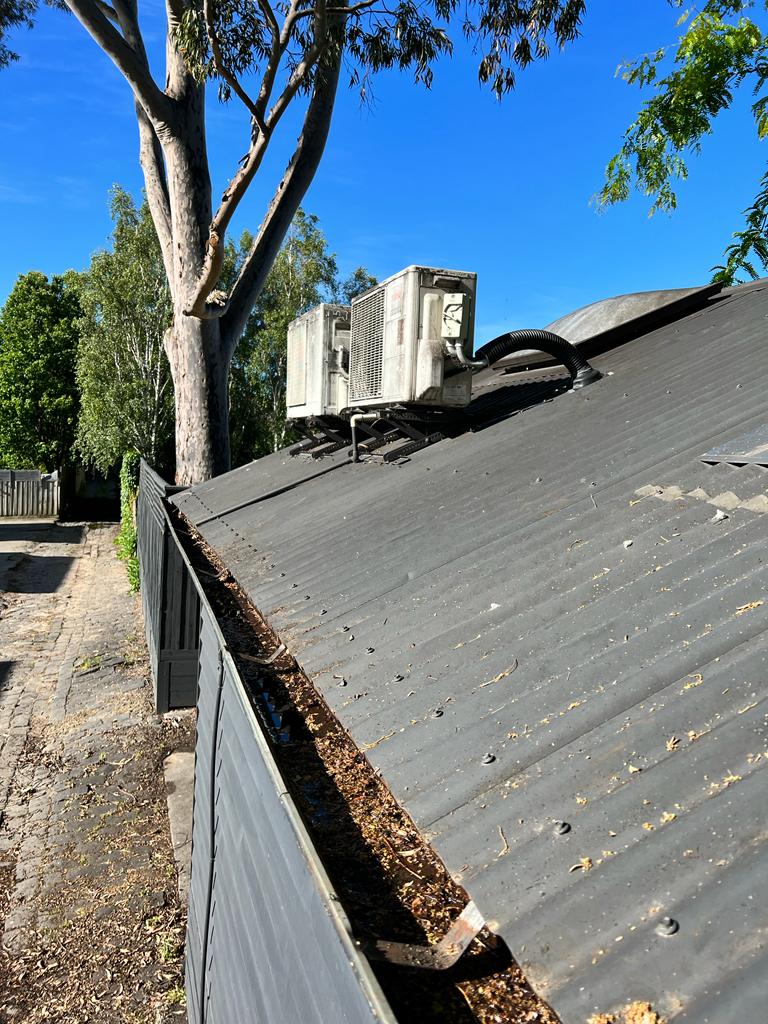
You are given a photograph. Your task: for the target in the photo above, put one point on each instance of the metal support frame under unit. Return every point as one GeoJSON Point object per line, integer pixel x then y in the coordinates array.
{"type": "Point", "coordinates": [321, 438]}
{"type": "Point", "coordinates": [398, 423]}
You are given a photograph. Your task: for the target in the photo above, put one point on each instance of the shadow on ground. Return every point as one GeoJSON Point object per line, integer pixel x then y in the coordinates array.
{"type": "Point", "coordinates": [6, 667]}
{"type": "Point", "coordinates": [33, 574]}
{"type": "Point", "coordinates": [30, 569]}
{"type": "Point", "coordinates": [40, 531]}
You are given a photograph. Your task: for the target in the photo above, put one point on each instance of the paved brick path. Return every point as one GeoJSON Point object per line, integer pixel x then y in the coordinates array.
{"type": "Point", "coordinates": [86, 872]}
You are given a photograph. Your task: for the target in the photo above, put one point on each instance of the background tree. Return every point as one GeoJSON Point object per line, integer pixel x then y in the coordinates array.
{"type": "Point", "coordinates": [38, 350]}
{"type": "Point", "coordinates": [720, 50]}
{"type": "Point", "coordinates": [126, 392]}
{"type": "Point", "coordinates": [272, 58]}
{"type": "Point", "coordinates": [13, 13]}
{"type": "Point", "coordinates": [126, 398]}
{"type": "Point", "coordinates": [304, 274]}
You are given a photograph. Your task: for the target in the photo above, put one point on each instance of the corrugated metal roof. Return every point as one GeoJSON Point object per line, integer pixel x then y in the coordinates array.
{"type": "Point", "coordinates": [555, 584]}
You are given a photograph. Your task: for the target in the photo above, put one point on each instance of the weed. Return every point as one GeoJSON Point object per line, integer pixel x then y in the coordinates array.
{"type": "Point", "coordinates": [167, 948]}
{"type": "Point", "coordinates": [176, 996]}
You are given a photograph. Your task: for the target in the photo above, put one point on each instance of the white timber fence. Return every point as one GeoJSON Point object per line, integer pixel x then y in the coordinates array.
{"type": "Point", "coordinates": [28, 492]}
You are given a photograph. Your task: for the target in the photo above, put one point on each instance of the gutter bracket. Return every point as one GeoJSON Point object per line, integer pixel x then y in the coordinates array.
{"type": "Point", "coordinates": [445, 954]}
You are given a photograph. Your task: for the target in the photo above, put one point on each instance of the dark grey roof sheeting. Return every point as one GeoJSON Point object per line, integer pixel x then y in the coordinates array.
{"type": "Point", "coordinates": [619, 686]}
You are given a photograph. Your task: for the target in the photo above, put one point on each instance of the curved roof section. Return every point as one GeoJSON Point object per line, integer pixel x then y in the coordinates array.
{"type": "Point", "coordinates": [613, 321]}
{"type": "Point", "coordinates": [607, 314]}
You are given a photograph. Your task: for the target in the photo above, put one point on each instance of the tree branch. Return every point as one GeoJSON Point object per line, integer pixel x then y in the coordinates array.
{"type": "Point", "coordinates": [128, 62]}
{"type": "Point", "coordinates": [204, 303]}
{"type": "Point", "coordinates": [227, 76]}
{"type": "Point", "coordinates": [156, 184]}
{"type": "Point", "coordinates": [150, 150]}
{"type": "Point", "coordinates": [279, 44]}
{"type": "Point", "coordinates": [106, 10]}
{"type": "Point", "coordinates": [286, 201]}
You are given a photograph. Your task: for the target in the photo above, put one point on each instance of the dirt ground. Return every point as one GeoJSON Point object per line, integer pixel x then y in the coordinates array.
{"type": "Point", "coordinates": [92, 928]}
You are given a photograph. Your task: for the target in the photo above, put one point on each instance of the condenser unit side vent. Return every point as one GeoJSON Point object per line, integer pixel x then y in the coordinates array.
{"type": "Point", "coordinates": [367, 347]}
{"type": "Point", "coordinates": [296, 392]}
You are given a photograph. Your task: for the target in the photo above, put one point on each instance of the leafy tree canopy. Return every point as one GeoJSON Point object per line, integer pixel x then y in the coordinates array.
{"type": "Point", "coordinates": [13, 14]}
{"type": "Point", "coordinates": [122, 371]}
{"type": "Point", "coordinates": [304, 274]}
{"type": "Point", "coordinates": [38, 396]}
{"type": "Point", "coordinates": [228, 39]}
{"type": "Point", "coordinates": [721, 49]}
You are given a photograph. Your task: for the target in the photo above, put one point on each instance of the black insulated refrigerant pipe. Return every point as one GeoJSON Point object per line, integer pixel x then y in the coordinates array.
{"type": "Point", "coordinates": [582, 372]}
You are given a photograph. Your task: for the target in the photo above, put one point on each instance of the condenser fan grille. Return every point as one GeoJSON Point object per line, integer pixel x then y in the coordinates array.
{"type": "Point", "coordinates": [366, 347]}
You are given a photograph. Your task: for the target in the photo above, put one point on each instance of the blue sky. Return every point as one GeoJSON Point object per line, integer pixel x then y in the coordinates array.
{"type": "Point", "coordinates": [446, 177]}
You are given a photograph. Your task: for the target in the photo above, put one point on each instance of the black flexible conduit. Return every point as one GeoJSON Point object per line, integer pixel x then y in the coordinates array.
{"type": "Point", "coordinates": [582, 372]}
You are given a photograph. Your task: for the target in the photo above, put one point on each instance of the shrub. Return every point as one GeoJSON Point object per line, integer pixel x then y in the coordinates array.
{"type": "Point", "coordinates": [126, 539]}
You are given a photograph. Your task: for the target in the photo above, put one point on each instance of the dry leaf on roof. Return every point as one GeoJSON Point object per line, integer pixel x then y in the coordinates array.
{"type": "Point", "coordinates": [641, 1013]}
{"type": "Point", "coordinates": [748, 607]}
{"type": "Point", "coordinates": [633, 1013]}
{"type": "Point", "coordinates": [673, 743]}
{"type": "Point", "coordinates": [501, 675]}
{"type": "Point", "coordinates": [585, 864]}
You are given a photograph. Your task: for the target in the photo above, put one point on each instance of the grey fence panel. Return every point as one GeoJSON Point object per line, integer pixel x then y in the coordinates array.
{"type": "Point", "coordinates": [169, 598]}
{"type": "Point", "coordinates": [152, 528]}
{"type": "Point", "coordinates": [200, 889]}
{"type": "Point", "coordinates": [266, 937]}
{"type": "Point", "coordinates": [178, 656]}
{"type": "Point", "coordinates": [28, 492]}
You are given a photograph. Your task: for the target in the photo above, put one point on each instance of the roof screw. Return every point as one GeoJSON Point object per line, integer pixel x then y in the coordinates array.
{"type": "Point", "coordinates": [307, 597]}
{"type": "Point", "coordinates": [323, 611]}
{"type": "Point", "coordinates": [369, 650]}
{"type": "Point", "coordinates": [294, 586]}
{"type": "Point", "coordinates": [282, 574]}
{"type": "Point", "coordinates": [667, 926]}
{"type": "Point", "coordinates": [562, 828]}
{"type": "Point", "coordinates": [397, 678]}
{"type": "Point", "coordinates": [488, 758]}
{"type": "Point", "coordinates": [342, 682]}
{"type": "Point", "coordinates": [438, 713]}
{"type": "Point", "coordinates": [351, 637]}
{"type": "Point", "coordinates": [345, 629]}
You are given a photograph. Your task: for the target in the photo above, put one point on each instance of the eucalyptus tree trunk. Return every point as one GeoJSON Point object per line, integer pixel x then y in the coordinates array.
{"type": "Point", "coordinates": [207, 323]}
{"type": "Point", "coordinates": [198, 349]}
{"type": "Point", "coordinates": [200, 370]}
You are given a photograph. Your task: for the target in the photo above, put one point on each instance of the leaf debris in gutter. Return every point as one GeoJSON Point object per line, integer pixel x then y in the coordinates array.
{"type": "Point", "coordinates": [391, 882]}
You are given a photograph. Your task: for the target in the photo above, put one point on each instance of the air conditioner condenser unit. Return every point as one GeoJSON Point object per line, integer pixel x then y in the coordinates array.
{"type": "Point", "coordinates": [402, 334]}
{"type": "Point", "coordinates": [317, 358]}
